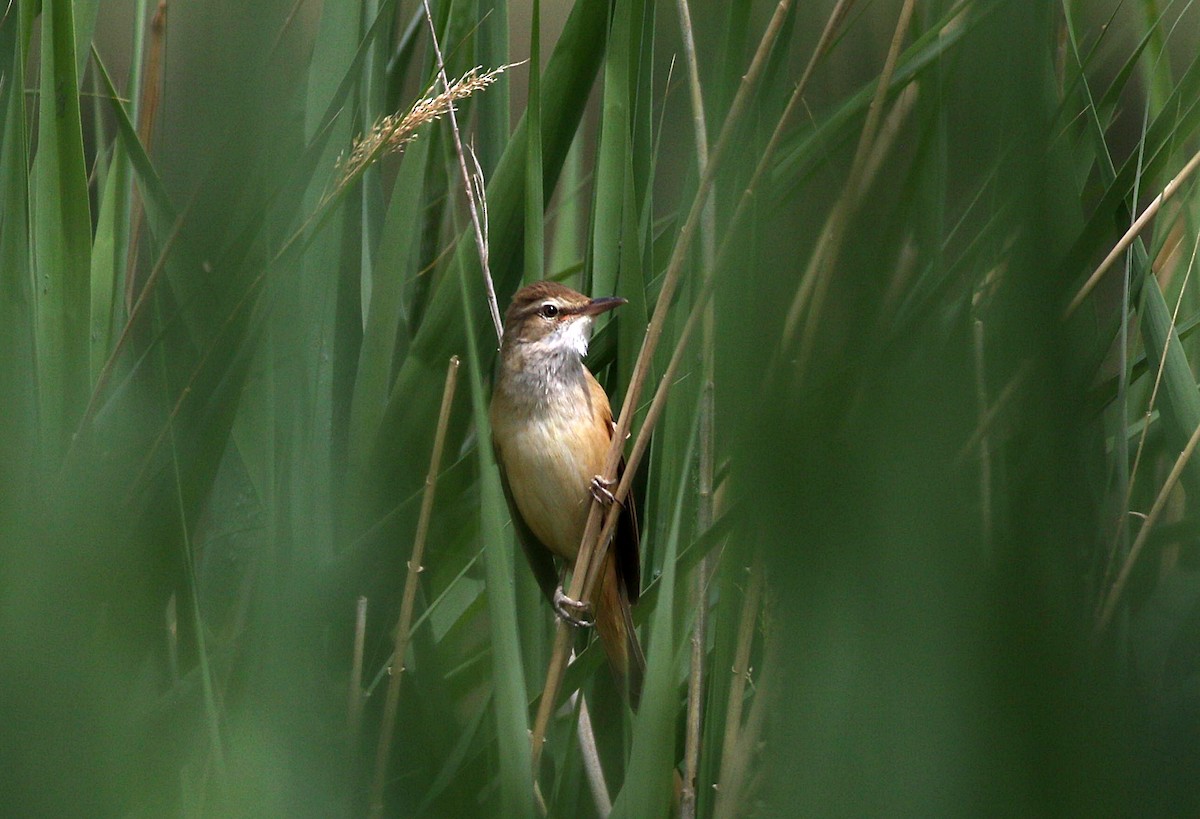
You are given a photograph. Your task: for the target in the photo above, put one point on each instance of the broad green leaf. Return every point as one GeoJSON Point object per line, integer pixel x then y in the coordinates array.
{"type": "Point", "coordinates": [18, 410]}
{"type": "Point", "coordinates": [62, 233]}
{"type": "Point", "coordinates": [516, 770]}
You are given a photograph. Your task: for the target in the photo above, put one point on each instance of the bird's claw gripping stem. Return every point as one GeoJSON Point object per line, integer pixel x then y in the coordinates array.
{"type": "Point", "coordinates": [574, 612]}
{"type": "Point", "coordinates": [601, 490]}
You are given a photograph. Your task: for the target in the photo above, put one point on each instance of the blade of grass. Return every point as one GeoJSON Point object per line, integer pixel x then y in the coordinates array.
{"type": "Point", "coordinates": [612, 154]}
{"type": "Point", "coordinates": [385, 333]}
{"type": "Point", "coordinates": [212, 710]}
{"type": "Point", "coordinates": [733, 789]}
{"type": "Point", "coordinates": [516, 768]}
{"type": "Point", "coordinates": [492, 111]}
{"type": "Point", "coordinates": [107, 260]}
{"type": "Point", "coordinates": [17, 305]}
{"type": "Point", "coordinates": [62, 230]}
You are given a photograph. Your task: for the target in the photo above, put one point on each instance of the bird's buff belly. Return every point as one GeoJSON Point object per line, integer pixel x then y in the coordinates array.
{"type": "Point", "coordinates": [550, 466]}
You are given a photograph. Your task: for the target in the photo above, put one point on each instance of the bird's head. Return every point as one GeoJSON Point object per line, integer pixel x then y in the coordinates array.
{"type": "Point", "coordinates": [552, 319]}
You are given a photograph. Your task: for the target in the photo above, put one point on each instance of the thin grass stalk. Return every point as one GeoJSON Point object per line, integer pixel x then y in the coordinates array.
{"type": "Point", "coordinates": [985, 450]}
{"type": "Point", "coordinates": [657, 405]}
{"type": "Point", "coordinates": [1130, 235]}
{"type": "Point", "coordinates": [171, 616]}
{"type": "Point", "coordinates": [354, 695]}
{"type": "Point", "coordinates": [403, 624]}
{"type": "Point", "coordinates": [698, 308]}
{"type": "Point", "coordinates": [588, 543]}
{"type": "Point", "coordinates": [134, 314]}
{"type": "Point", "coordinates": [479, 227]}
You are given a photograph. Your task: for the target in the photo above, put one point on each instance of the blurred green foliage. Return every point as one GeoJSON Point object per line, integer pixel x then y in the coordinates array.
{"type": "Point", "coordinates": [929, 554]}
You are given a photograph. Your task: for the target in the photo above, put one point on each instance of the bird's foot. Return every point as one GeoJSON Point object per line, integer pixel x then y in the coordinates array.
{"type": "Point", "coordinates": [570, 610]}
{"type": "Point", "coordinates": [602, 490]}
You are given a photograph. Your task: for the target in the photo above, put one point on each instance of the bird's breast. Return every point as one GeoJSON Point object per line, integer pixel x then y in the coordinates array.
{"type": "Point", "coordinates": [550, 453]}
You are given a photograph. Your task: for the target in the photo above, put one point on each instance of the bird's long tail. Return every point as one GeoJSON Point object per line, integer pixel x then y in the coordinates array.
{"type": "Point", "coordinates": [614, 622]}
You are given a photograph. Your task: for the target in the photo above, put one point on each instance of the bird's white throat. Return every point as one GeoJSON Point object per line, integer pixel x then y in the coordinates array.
{"type": "Point", "coordinates": [571, 336]}
{"type": "Point", "coordinates": [551, 363]}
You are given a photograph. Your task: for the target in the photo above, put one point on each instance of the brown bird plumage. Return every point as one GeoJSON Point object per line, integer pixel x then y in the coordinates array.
{"type": "Point", "coordinates": [552, 426]}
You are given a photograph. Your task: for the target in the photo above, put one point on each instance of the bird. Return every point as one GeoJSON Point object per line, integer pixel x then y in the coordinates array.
{"type": "Point", "coordinates": [552, 426]}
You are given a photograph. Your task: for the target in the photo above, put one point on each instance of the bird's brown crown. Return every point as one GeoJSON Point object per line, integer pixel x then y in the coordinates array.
{"type": "Point", "coordinates": [538, 308]}
{"type": "Point", "coordinates": [530, 298]}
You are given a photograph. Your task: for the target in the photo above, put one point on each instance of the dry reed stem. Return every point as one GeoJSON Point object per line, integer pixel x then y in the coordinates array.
{"type": "Point", "coordinates": [404, 622]}
{"type": "Point", "coordinates": [1134, 230]}
{"type": "Point", "coordinates": [588, 544]}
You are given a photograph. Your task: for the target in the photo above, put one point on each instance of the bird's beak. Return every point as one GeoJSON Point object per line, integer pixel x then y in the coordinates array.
{"type": "Point", "coordinates": [597, 306]}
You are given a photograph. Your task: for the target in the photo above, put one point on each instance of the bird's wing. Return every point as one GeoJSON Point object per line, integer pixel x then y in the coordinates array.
{"type": "Point", "coordinates": [627, 541]}
{"type": "Point", "coordinates": [540, 558]}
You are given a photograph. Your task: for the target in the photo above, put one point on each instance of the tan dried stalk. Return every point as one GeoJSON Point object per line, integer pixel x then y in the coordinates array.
{"type": "Point", "coordinates": [404, 623]}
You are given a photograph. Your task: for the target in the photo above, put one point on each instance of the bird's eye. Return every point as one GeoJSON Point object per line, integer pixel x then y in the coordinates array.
{"type": "Point", "coordinates": [549, 310]}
